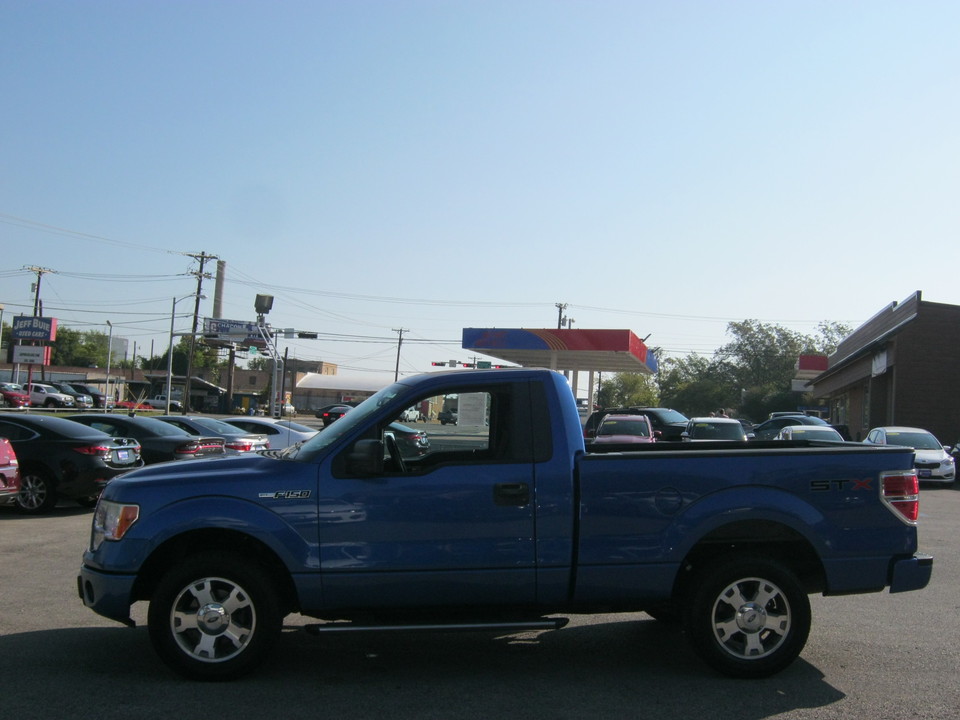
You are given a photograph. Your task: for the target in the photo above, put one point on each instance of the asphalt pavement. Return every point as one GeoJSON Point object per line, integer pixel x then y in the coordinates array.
{"type": "Point", "coordinates": [876, 656]}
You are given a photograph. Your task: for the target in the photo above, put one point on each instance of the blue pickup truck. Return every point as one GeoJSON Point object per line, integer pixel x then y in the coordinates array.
{"type": "Point", "coordinates": [505, 521]}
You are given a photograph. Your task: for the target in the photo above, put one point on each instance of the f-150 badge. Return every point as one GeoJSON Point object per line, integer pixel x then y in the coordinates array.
{"type": "Point", "coordinates": [285, 495]}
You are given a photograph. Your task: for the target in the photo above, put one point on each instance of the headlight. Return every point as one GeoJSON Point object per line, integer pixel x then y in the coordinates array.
{"type": "Point", "coordinates": [111, 521]}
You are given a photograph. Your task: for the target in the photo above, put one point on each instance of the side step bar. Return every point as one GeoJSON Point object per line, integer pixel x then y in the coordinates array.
{"type": "Point", "coordinates": [497, 626]}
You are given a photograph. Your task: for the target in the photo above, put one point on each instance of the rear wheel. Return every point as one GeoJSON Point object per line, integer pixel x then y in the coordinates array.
{"type": "Point", "coordinates": [214, 616]}
{"type": "Point", "coordinates": [38, 493]}
{"type": "Point", "coordinates": [748, 617]}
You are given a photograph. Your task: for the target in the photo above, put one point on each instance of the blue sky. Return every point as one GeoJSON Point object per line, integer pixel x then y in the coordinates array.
{"type": "Point", "coordinates": [666, 167]}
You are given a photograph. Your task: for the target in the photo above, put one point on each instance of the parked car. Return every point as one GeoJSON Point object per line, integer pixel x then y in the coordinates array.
{"type": "Point", "coordinates": [9, 473]}
{"type": "Point", "coordinates": [447, 417]}
{"type": "Point", "coordinates": [13, 395]}
{"type": "Point", "coordinates": [667, 424]}
{"type": "Point", "coordinates": [715, 428]}
{"type": "Point", "coordinates": [81, 399]}
{"type": "Point", "coordinates": [809, 432]}
{"type": "Point", "coordinates": [411, 414]}
{"type": "Point", "coordinates": [60, 458]}
{"type": "Point", "coordinates": [280, 433]}
{"type": "Point", "coordinates": [411, 443]}
{"type": "Point", "coordinates": [160, 441]}
{"type": "Point", "coordinates": [931, 459]}
{"type": "Point", "coordinates": [330, 413]}
{"type": "Point", "coordinates": [43, 395]}
{"type": "Point", "coordinates": [624, 429]}
{"type": "Point", "coordinates": [99, 399]}
{"type": "Point", "coordinates": [236, 441]}
{"type": "Point", "coordinates": [769, 429]}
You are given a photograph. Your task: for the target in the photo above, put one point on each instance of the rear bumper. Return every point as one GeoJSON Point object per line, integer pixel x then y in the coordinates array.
{"type": "Point", "coordinates": [911, 573]}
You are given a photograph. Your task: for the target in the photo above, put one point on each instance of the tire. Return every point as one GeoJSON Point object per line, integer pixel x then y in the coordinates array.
{"type": "Point", "coordinates": [748, 617]}
{"type": "Point", "coordinates": [214, 616]}
{"type": "Point", "coordinates": [38, 492]}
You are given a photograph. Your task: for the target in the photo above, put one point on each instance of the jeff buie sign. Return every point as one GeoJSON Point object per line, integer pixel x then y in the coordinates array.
{"type": "Point", "coordinates": [27, 327]}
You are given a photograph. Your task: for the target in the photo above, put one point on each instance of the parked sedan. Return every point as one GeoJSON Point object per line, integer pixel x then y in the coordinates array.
{"type": "Point", "coordinates": [13, 395]}
{"type": "Point", "coordinates": [235, 440]}
{"type": "Point", "coordinates": [809, 432]}
{"type": "Point", "coordinates": [160, 441]}
{"type": "Point", "coordinates": [60, 458]}
{"type": "Point", "coordinates": [715, 428]}
{"type": "Point", "coordinates": [280, 433]}
{"type": "Point", "coordinates": [9, 473]}
{"type": "Point", "coordinates": [624, 429]}
{"type": "Point", "coordinates": [931, 459]}
{"type": "Point", "coordinates": [412, 443]}
{"type": "Point", "coordinates": [769, 429]}
{"type": "Point", "coordinates": [330, 413]}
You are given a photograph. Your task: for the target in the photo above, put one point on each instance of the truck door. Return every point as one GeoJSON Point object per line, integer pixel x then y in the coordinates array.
{"type": "Point", "coordinates": [447, 518]}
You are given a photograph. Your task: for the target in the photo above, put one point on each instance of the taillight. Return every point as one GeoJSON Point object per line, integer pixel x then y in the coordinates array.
{"type": "Point", "coordinates": [98, 450]}
{"type": "Point", "coordinates": [239, 445]}
{"type": "Point", "coordinates": [901, 492]}
{"type": "Point", "coordinates": [190, 448]}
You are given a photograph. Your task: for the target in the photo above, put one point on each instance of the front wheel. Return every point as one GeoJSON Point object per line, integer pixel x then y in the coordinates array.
{"type": "Point", "coordinates": [214, 616]}
{"type": "Point", "coordinates": [748, 617]}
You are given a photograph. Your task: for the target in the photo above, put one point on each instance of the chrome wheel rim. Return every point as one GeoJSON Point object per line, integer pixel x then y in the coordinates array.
{"type": "Point", "coordinates": [213, 620]}
{"type": "Point", "coordinates": [751, 618]}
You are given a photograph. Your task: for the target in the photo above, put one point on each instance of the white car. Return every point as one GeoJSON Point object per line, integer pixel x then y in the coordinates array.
{"type": "Point", "coordinates": [809, 432]}
{"type": "Point", "coordinates": [931, 459]}
{"type": "Point", "coordinates": [280, 433]}
{"type": "Point", "coordinates": [48, 396]}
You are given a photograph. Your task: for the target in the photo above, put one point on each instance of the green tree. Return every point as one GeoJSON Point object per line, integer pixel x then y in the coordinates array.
{"type": "Point", "coordinates": [628, 389]}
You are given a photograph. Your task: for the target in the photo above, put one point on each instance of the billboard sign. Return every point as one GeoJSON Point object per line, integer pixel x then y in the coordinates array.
{"type": "Point", "coordinates": [31, 354]}
{"type": "Point", "coordinates": [27, 327]}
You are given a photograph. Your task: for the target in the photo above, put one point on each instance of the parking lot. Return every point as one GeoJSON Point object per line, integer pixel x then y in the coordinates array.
{"type": "Point", "coordinates": [869, 656]}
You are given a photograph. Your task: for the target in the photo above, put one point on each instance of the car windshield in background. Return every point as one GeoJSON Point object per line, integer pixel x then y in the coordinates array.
{"type": "Point", "coordinates": [915, 440]}
{"type": "Point", "coordinates": [668, 416]}
{"type": "Point", "coordinates": [624, 427]}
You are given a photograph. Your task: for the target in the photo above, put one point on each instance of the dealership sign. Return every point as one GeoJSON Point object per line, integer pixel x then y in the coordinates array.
{"type": "Point", "coordinates": [27, 327]}
{"type": "Point", "coordinates": [31, 354]}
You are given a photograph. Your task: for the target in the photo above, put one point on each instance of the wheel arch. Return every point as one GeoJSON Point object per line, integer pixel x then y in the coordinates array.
{"type": "Point", "coordinates": [768, 538]}
{"type": "Point", "coordinates": [175, 549]}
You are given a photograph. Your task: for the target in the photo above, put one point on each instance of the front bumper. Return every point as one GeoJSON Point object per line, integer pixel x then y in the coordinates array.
{"type": "Point", "coordinates": [106, 594]}
{"type": "Point", "coordinates": [911, 573]}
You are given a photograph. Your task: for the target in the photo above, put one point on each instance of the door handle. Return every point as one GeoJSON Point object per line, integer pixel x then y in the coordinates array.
{"type": "Point", "coordinates": [511, 494]}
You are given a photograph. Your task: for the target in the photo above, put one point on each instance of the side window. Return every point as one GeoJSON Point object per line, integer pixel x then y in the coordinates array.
{"type": "Point", "coordinates": [489, 425]}
{"type": "Point", "coordinates": [15, 432]}
{"type": "Point", "coordinates": [106, 427]}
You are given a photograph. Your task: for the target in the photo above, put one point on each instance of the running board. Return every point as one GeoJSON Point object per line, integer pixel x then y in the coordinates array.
{"type": "Point", "coordinates": [497, 626]}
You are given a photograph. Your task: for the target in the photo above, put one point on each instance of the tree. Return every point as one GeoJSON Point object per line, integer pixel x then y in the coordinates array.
{"type": "Point", "coordinates": [628, 389]}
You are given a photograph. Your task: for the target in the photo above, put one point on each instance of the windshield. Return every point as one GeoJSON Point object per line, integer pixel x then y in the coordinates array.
{"type": "Point", "coordinates": [668, 416]}
{"type": "Point", "coordinates": [716, 431]}
{"type": "Point", "coordinates": [916, 440]}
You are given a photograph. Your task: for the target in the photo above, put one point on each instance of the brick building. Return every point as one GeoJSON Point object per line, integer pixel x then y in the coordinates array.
{"type": "Point", "coordinates": [898, 368]}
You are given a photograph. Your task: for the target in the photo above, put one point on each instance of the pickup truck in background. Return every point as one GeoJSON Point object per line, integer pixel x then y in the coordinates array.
{"type": "Point", "coordinates": [159, 402]}
{"type": "Point", "coordinates": [504, 523]}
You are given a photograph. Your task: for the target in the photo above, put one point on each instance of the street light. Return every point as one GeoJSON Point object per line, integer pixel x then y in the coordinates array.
{"type": "Point", "coordinates": [186, 398]}
{"type": "Point", "coordinates": [106, 399]}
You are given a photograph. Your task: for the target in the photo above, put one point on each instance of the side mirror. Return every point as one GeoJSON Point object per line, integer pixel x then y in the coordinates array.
{"type": "Point", "coordinates": [366, 458]}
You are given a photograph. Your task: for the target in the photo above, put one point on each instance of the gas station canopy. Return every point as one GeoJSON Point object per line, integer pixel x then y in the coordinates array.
{"type": "Point", "coordinates": [558, 349]}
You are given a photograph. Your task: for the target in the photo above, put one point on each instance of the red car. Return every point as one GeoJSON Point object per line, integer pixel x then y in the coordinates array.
{"type": "Point", "coordinates": [13, 395]}
{"type": "Point", "coordinates": [9, 473]}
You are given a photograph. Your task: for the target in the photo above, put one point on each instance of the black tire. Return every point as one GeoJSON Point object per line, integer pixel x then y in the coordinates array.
{"type": "Point", "coordinates": [748, 617]}
{"type": "Point", "coordinates": [38, 492]}
{"type": "Point", "coordinates": [214, 616]}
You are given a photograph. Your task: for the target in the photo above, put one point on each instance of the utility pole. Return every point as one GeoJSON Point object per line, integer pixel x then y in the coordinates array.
{"type": "Point", "coordinates": [400, 332]}
{"type": "Point", "coordinates": [37, 307]}
{"type": "Point", "coordinates": [560, 308]}
{"type": "Point", "coordinates": [202, 258]}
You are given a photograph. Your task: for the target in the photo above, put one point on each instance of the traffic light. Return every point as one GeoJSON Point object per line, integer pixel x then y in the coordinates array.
{"type": "Point", "coordinates": [438, 363]}
{"type": "Point", "coordinates": [307, 335]}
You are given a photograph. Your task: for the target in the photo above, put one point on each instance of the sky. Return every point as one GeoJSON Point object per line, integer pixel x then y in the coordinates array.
{"type": "Point", "coordinates": [423, 166]}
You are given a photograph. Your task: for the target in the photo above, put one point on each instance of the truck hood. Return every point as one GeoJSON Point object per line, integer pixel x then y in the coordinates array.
{"type": "Point", "coordinates": [231, 468]}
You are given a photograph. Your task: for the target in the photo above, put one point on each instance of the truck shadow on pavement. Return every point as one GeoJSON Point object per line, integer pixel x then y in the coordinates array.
{"type": "Point", "coordinates": [632, 668]}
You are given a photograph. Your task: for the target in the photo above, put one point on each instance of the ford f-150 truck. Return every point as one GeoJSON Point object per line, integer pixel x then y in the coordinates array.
{"type": "Point", "coordinates": [504, 522]}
